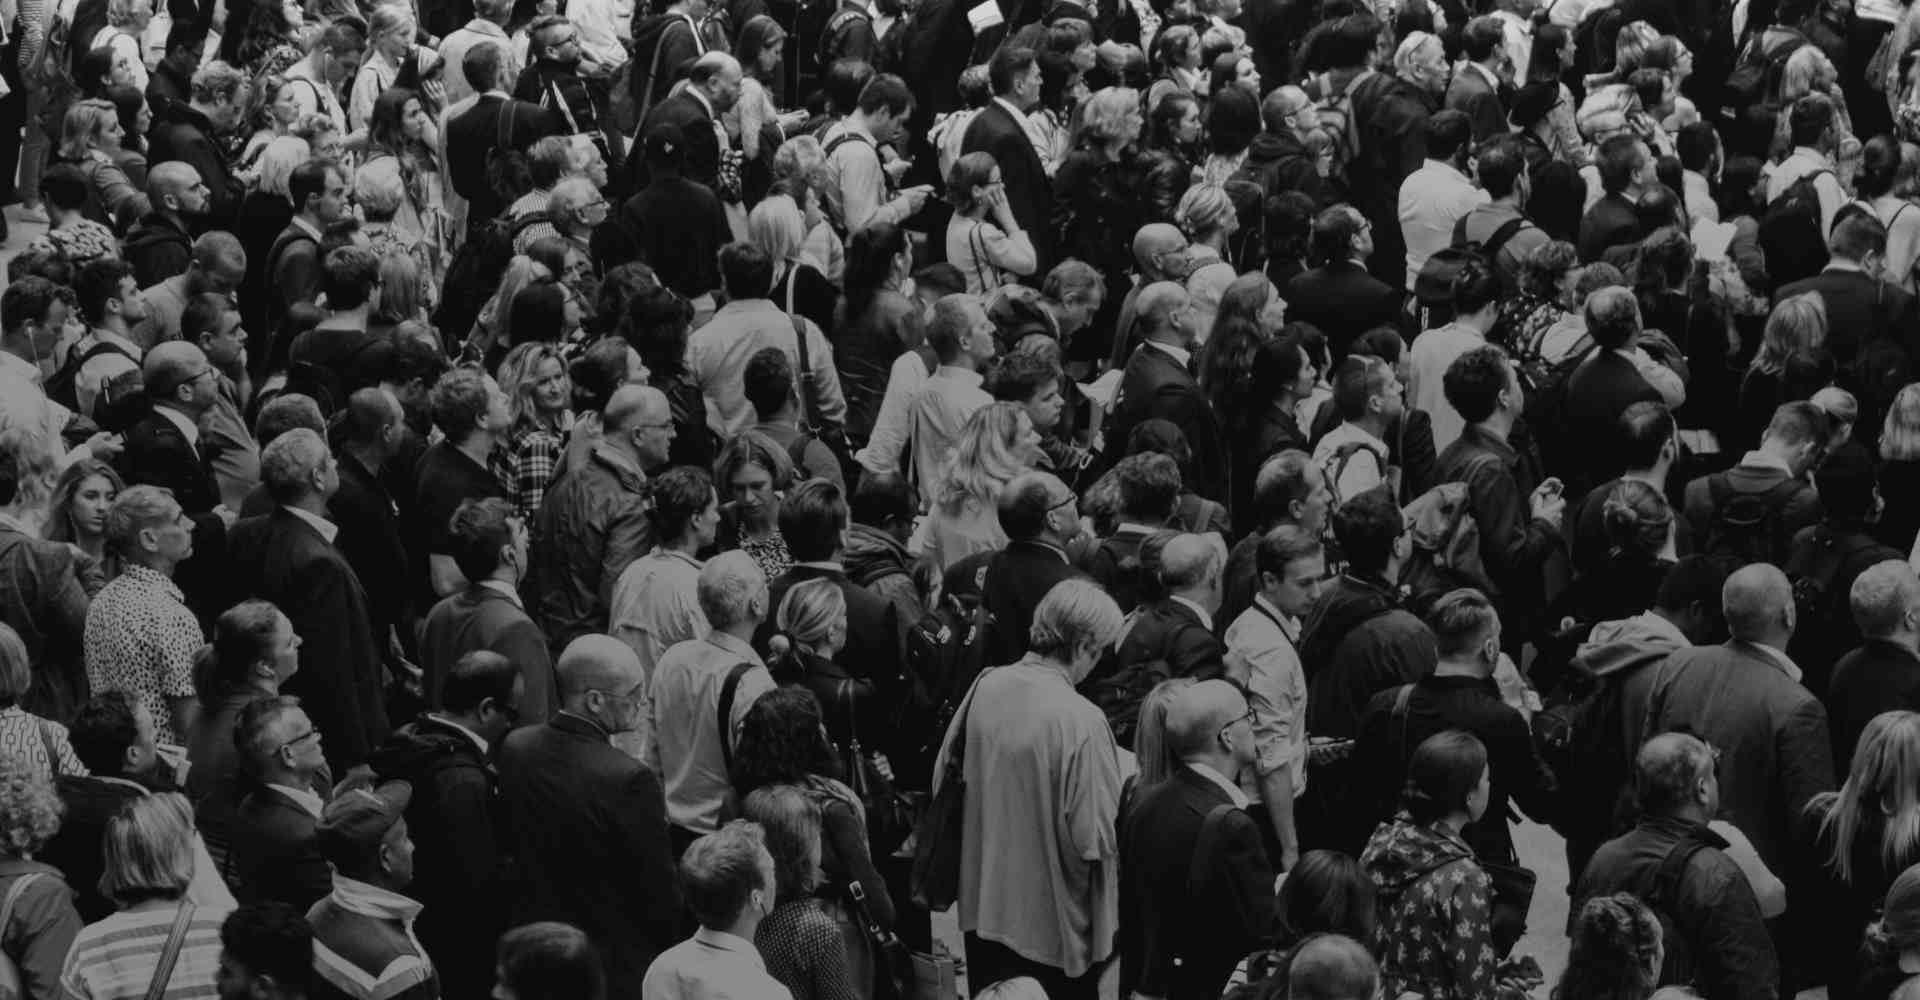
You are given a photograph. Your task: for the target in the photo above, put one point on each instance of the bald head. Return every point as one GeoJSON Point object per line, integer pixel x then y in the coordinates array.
{"type": "Point", "coordinates": [1885, 598]}
{"type": "Point", "coordinates": [1198, 714]}
{"type": "Point", "coordinates": [1190, 562]}
{"type": "Point", "coordinates": [632, 405]}
{"type": "Point", "coordinates": [597, 662]}
{"type": "Point", "coordinates": [1153, 242]}
{"type": "Point", "coordinates": [1160, 306]}
{"type": "Point", "coordinates": [219, 257]}
{"type": "Point", "coordinates": [1758, 603]}
{"type": "Point", "coordinates": [171, 179]}
{"type": "Point", "coordinates": [170, 365]}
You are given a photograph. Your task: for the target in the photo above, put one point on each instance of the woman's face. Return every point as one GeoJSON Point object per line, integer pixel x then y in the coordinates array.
{"type": "Point", "coordinates": [1247, 78]}
{"type": "Point", "coordinates": [1682, 64]}
{"type": "Point", "coordinates": [770, 56]}
{"type": "Point", "coordinates": [1085, 56]}
{"type": "Point", "coordinates": [143, 119]}
{"type": "Point", "coordinates": [122, 73]}
{"type": "Point", "coordinates": [814, 213]}
{"type": "Point", "coordinates": [1309, 376]}
{"type": "Point", "coordinates": [286, 651]}
{"type": "Point", "coordinates": [413, 120]}
{"type": "Point", "coordinates": [637, 373]}
{"type": "Point", "coordinates": [291, 10]}
{"type": "Point", "coordinates": [111, 134]}
{"type": "Point", "coordinates": [1187, 130]}
{"type": "Point", "coordinates": [550, 386]}
{"type": "Point", "coordinates": [285, 107]}
{"type": "Point", "coordinates": [751, 490]}
{"type": "Point", "coordinates": [836, 637]}
{"type": "Point", "coordinates": [1130, 125]}
{"type": "Point", "coordinates": [90, 502]}
{"type": "Point", "coordinates": [394, 44]}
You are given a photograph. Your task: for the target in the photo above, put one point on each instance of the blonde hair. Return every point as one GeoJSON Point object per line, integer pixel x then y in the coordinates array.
{"type": "Point", "coordinates": [985, 458]}
{"type": "Point", "coordinates": [35, 465]}
{"type": "Point", "coordinates": [1884, 781]}
{"type": "Point", "coordinates": [84, 123]}
{"type": "Point", "coordinates": [1796, 328]}
{"type": "Point", "coordinates": [379, 189]}
{"type": "Point", "coordinates": [148, 848]}
{"type": "Point", "coordinates": [1900, 435]}
{"type": "Point", "coordinates": [124, 12]}
{"type": "Point", "coordinates": [1409, 50]}
{"type": "Point", "coordinates": [1802, 69]}
{"type": "Point", "coordinates": [1630, 47]}
{"type": "Point", "coordinates": [1204, 210]}
{"type": "Point", "coordinates": [277, 161]}
{"type": "Point", "coordinates": [389, 19]}
{"type": "Point", "coordinates": [1151, 748]}
{"type": "Point", "coordinates": [518, 376]}
{"type": "Point", "coordinates": [30, 812]}
{"type": "Point", "coordinates": [1105, 113]}
{"type": "Point", "coordinates": [810, 610]}
{"type": "Point", "coordinates": [778, 228]}
{"type": "Point", "coordinates": [401, 293]}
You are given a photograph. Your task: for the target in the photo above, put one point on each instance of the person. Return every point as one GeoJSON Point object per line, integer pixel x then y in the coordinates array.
{"type": "Point", "coordinates": [1616, 950]}
{"type": "Point", "coordinates": [718, 352]}
{"type": "Point", "coordinates": [473, 418]}
{"type": "Point", "coordinates": [1611, 379]}
{"type": "Point", "coordinates": [877, 324]}
{"type": "Point", "coordinates": [373, 439]}
{"type": "Point", "coordinates": [491, 546]}
{"type": "Point", "coordinates": [1862, 307]}
{"type": "Point", "coordinates": [1435, 198]}
{"type": "Point", "coordinates": [163, 449]}
{"type": "Point", "coordinates": [1718, 941]}
{"type": "Point", "coordinates": [254, 649]}
{"type": "Point", "coordinates": [1771, 482]}
{"type": "Point", "coordinates": [103, 360]}
{"type": "Point", "coordinates": [1882, 673]}
{"type": "Point", "coordinates": [655, 603]}
{"type": "Point", "coordinates": [292, 264]}
{"type": "Point", "coordinates": [495, 121]}
{"type": "Point", "coordinates": [612, 874]}
{"type": "Point", "coordinates": [1826, 559]}
{"type": "Point", "coordinates": [488, 27]}
{"type": "Point", "coordinates": [452, 814]}
{"type": "Point", "coordinates": [853, 156]}
{"type": "Point", "coordinates": [159, 246]}
{"type": "Point", "coordinates": [592, 522]}
{"type": "Point", "coordinates": [289, 557]}
{"type": "Point", "coordinates": [557, 77]}
{"type": "Point", "coordinates": [768, 384]}
{"type": "Point", "coordinates": [1435, 933]}
{"type": "Point", "coordinates": [1041, 518]}
{"type": "Point", "coordinates": [674, 203]}
{"type": "Point", "coordinates": [1000, 131]}
{"type": "Point", "coordinates": [1355, 457]}
{"type": "Point", "coordinates": [1626, 169]}
{"type": "Point", "coordinates": [1648, 447]}
{"type": "Point", "coordinates": [547, 960]}
{"type": "Point", "coordinates": [995, 444]}
{"type": "Point", "coordinates": [1501, 168]}
{"type": "Point", "coordinates": [89, 129]}
{"type": "Point", "coordinates": [929, 425]}
{"type": "Point", "coordinates": [1039, 897]}
{"type": "Point", "coordinates": [1194, 904]}
{"type": "Point", "coordinates": [983, 239]}
{"type": "Point", "coordinates": [148, 850]}
{"type": "Point", "coordinates": [1814, 129]}
{"type": "Point", "coordinates": [78, 516]}
{"type": "Point", "coordinates": [1476, 308]}
{"type": "Point", "coordinates": [754, 473]}
{"type": "Point", "coordinates": [363, 931]}
{"type": "Point", "coordinates": [1791, 364]}
{"type": "Point", "coordinates": [71, 238]}
{"type": "Point", "coordinates": [185, 132]}
{"type": "Point", "coordinates": [172, 80]}
{"type": "Point", "coordinates": [713, 86]}
{"type": "Point", "coordinates": [42, 922]}
{"type": "Point", "coordinates": [266, 950]}
{"type": "Point", "coordinates": [1157, 385]}
{"type": "Point", "coordinates": [729, 882]}
{"type": "Point", "coordinates": [140, 635]}
{"type": "Point", "coordinates": [271, 853]}
{"type": "Point", "coordinates": [45, 605]}
{"type": "Point", "coordinates": [1339, 297]}
{"type": "Point", "coordinates": [800, 940]}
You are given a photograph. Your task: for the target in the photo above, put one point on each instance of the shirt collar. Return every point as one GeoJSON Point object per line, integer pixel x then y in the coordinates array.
{"type": "Point", "coordinates": [964, 376]}
{"type": "Point", "coordinates": [1179, 354]}
{"type": "Point", "coordinates": [477, 739]}
{"type": "Point", "coordinates": [482, 26]}
{"type": "Point", "coordinates": [1234, 794]}
{"type": "Point", "coordinates": [1766, 461]}
{"type": "Point", "coordinates": [1780, 659]}
{"type": "Point", "coordinates": [1018, 115]}
{"type": "Point", "coordinates": [734, 943]}
{"type": "Point", "coordinates": [308, 228]}
{"type": "Point", "coordinates": [305, 798]}
{"type": "Point", "coordinates": [326, 528]}
{"type": "Point", "coordinates": [735, 645]}
{"type": "Point", "coordinates": [1491, 79]}
{"type": "Point", "coordinates": [367, 900]}
{"type": "Point", "coordinates": [155, 578]}
{"type": "Point", "coordinates": [1443, 167]}
{"type": "Point", "coordinates": [188, 429]}
{"type": "Point", "coordinates": [1206, 620]}
{"type": "Point", "coordinates": [503, 587]}
{"type": "Point", "coordinates": [1288, 623]}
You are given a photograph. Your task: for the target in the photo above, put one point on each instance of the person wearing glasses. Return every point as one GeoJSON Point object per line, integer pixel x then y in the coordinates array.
{"type": "Point", "coordinates": [272, 856]}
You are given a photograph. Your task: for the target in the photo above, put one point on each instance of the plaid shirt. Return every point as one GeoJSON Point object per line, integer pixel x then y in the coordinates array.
{"type": "Point", "coordinates": [533, 456]}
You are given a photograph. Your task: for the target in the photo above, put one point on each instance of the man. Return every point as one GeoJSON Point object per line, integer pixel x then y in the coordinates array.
{"type": "Point", "coordinates": [1263, 658]}
{"type": "Point", "coordinates": [328, 70]}
{"type": "Point", "coordinates": [453, 816]}
{"type": "Point", "coordinates": [292, 266]}
{"type": "Point", "coordinates": [1174, 634]}
{"type": "Point", "coordinates": [1289, 489]}
{"type": "Point", "coordinates": [266, 953]}
{"type": "Point", "coordinates": [1459, 694]}
{"type": "Point", "coordinates": [610, 873]}
{"type": "Point", "coordinates": [1824, 561]}
{"type": "Point", "coordinates": [494, 124]}
{"type": "Point", "coordinates": [218, 265]}
{"type": "Point", "coordinates": [876, 549]}
{"type": "Point", "coordinates": [1355, 457]}
{"type": "Point", "coordinates": [815, 519]}
{"type": "Point", "coordinates": [1626, 172]}
{"type": "Point", "coordinates": [853, 156]}
{"type": "Point", "coordinates": [1160, 253]}
{"type": "Point", "coordinates": [1032, 378]}
{"type": "Point", "coordinates": [472, 417]}
{"type": "Point", "coordinates": [675, 225]}
{"type": "Point", "coordinates": [1675, 863]}
{"type": "Point", "coordinates": [1339, 295]}
{"type": "Point", "coordinates": [556, 78]}
{"type": "Point", "coordinates": [1648, 445]}
{"type": "Point", "coordinates": [1157, 384]}
{"type": "Point", "coordinates": [1500, 166]}
{"type": "Point", "coordinates": [1813, 127]}
{"type": "Point", "coordinates": [141, 637]}
{"type": "Point", "coordinates": [1519, 520]}
{"type": "Point", "coordinates": [1746, 697]}
{"type": "Point", "coordinates": [161, 243]}
{"type": "Point", "coordinates": [665, 46]}
{"type": "Point", "coordinates": [1041, 517]}
{"type": "Point", "coordinates": [1001, 129]}
{"type": "Point", "coordinates": [768, 385]}
{"type": "Point", "coordinates": [1476, 88]}
{"type": "Point", "coordinates": [1883, 675]}
{"type": "Point", "coordinates": [1862, 307]}
{"type": "Point", "coordinates": [185, 132]}
{"type": "Point", "coordinates": [717, 353]}
{"type": "Point", "coordinates": [592, 522]}
{"type": "Point", "coordinates": [33, 319]}
{"type": "Point", "coordinates": [1148, 486]}
{"type": "Point", "coordinates": [106, 360]}
{"type": "Point", "coordinates": [165, 448]}
{"type": "Point", "coordinates": [1390, 114]}
{"type": "Point", "coordinates": [273, 855]}
{"type": "Point", "coordinates": [289, 557]}
{"type": "Point", "coordinates": [490, 548]}
{"type": "Point", "coordinates": [488, 27]}
{"type": "Point", "coordinates": [1752, 511]}
{"type": "Point", "coordinates": [171, 83]}
{"type": "Point", "coordinates": [1603, 386]}
{"type": "Point", "coordinates": [1476, 308]}
{"type": "Point", "coordinates": [713, 85]}
{"type": "Point", "coordinates": [575, 212]}
{"type": "Point", "coordinates": [962, 338]}
{"type": "Point", "coordinates": [363, 939]}
{"type": "Point", "coordinates": [1278, 158]}
{"type": "Point", "coordinates": [42, 599]}
{"type": "Point", "coordinates": [1195, 887]}
{"type": "Point", "coordinates": [1040, 828]}
{"type": "Point", "coordinates": [371, 432]}
{"type": "Point", "coordinates": [728, 875]}
{"type": "Point", "coordinates": [700, 694]}
{"type": "Point", "coordinates": [1434, 198]}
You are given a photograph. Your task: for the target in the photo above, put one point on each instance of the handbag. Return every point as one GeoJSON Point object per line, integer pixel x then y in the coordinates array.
{"type": "Point", "coordinates": [1513, 885]}
{"type": "Point", "coordinates": [905, 974]}
{"type": "Point", "coordinates": [812, 421]}
{"type": "Point", "coordinates": [935, 880]}
{"type": "Point", "coordinates": [889, 814]}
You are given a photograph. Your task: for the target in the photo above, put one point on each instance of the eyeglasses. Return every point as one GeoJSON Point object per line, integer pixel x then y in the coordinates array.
{"type": "Point", "coordinates": [1247, 718]}
{"type": "Point", "coordinates": [297, 740]}
{"type": "Point", "coordinates": [1068, 499]}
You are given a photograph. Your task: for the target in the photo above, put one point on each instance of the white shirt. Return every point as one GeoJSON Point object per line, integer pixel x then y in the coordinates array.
{"type": "Point", "coordinates": [1433, 351]}
{"type": "Point", "coordinates": [931, 420]}
{"type": "Point", "coordinates": [1432, 200]}
{"type": "Point", "coordinates": [1361, 472]}
{"type": "Point", "coordinates": [711, 965]}
{"type": "Point", "coordinates": [1234, 794]}
{"type": "Point", "coordinates": [326, 528]}
{"type": "Point", "coordinates": [1180, 354]}
{"type": "Point", "coordinates": [188, 429]}
{"type": "Point", "coordinates": [1802, 162]}
{"type": "Point", "coordinates": [1261, 655]}
{"type": "Point", "coordinates": [602, 24]}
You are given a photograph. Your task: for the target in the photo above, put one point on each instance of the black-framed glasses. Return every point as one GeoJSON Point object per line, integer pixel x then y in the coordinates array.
{"type": "Point", "coordinates": [1070, 498]}
{"type": "Point", "coordinates": [1238, 719]}
{"type": "Point", "coordinates": [297, 740]}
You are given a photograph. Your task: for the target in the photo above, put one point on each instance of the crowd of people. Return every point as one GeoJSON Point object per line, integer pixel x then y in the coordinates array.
{"type": "Point", "coordinates": [573, 500]}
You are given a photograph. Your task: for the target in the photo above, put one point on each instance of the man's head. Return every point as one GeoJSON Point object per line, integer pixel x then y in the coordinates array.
{"type": "Point", "coordinates": [350, 278]}
{"type": "Point", "coordinates": [716, 75]}
{"type": "Point", "coordinates": [600, 678]}
{"type": "Point", "coordinates": [1420, 59]}
{"type": "Point", "coordinates": [485, 66]}
{"type": "Point", "coordinates": [1366, 388]}
{"type": "Point", "coordinates": [173, 186]}
{"type": "Point", "coordinates": [1332, 967]}
{"type": "Point", "coordinates": [1160, 252]}
{"type": "Point", "coordinates": [1797, 435]}
{"type": "Point", "coordinates": [489, 540]}
{"type": "Point", "coordinates": [1014, 74]}
{"type": "Point", "coordinates": [373, 423]}
{"type": "Point", "coordinates": [1624, 163]}
{"type": "Point", "coordinates": [1811, 122]}
{"type": "Point", "coordinates": [362, 833]}
{"type": "Point", "coordinates": [1886, 602]}
{"type": "Point", "coordinates": [1758, 604]}
{"type": "Point", "coordinates": [1675, 774]}
{"type": "Point", "coordinates": [726, 877]}
{"type": "Point", "coordinates": [297, 468]}
{"type": "Point", "coordinates": [1466, 629]}
{"type": "Point", "coordinates": [1037, 506]}
{"type": "Point", "coordinates": [768, 384]}
{"type": "Point", "coordinates": [178, 374]}
{"type": "Point", "coordinates": [1449, 133]}
{"type": "Point", "coordinates": [1340, 234]}
{"type": "Point", "coordinates": [1860, 238]}
{"type": "Point", "coordinates": [641, 416]}
{"type": "Point", "coordinates": [337, 54]}
{"type": "Point", "coordinates": [843, 82]}
{"type": "Point", "coordinates": [885, 104]}
{"type": "Point", "coordinates": [145, 525]}
{"type": "Point", "coordinates": [186, 39]}
{"type": "Point", "coordinates": [319, 190]}
{"type": "Point", "coordinates": [576, 206]}
{"type": "Point", "coordinates": [1148, 484]}
{"type": "Point", "coordinates": [1647, 435]}
{"type": "Point", "coordinates": [219, 263]}
{"type": "Point", "coordinates": [33, 314]}
{"type": "Point", "coordinates": [113, 735]}
{"type": "Point", "coordinates": [1291, 489]}
{"type": "Point", "coordinates": [1032, 380]}
{"type": "Point", "coordinates": [1288, 111]}
{"type": "Point", "coordinates": [746, 271]}
{"type": "Point", "coordinates": [1484, 41]}
{"type": "Point", "coordinates": [220, 92]}
{"type": "Point", "coordinates": [483, 690]}
{"type": "Point", "coordinates": [108, 294]}
{"type": "Point", "coordinates": [960, 332]}
{"type": "Point", "coordinates": [266, 953]}
{"type": "Point", "coordinates": [1613, 318]}
{"type": "Point", "coordinates": [276, 740]}
{"type": "Point", "coordinates": [732, 591]}
{"type": "Point", "coordinates": [1481, 385]}
{"type": "Point", "coordinates": [1211, 723]}
{"type": "Point", "coordinates": [1190, 567]}
{"type": "Point", "coordinates": [814, 520]}
{"type": "Point", "coordinates": [464, 403]}
{"type": "Point", "coordinates": [1291, 568]}
{"type": "Point", "coordinates": [1501, 166]}
{"type": "Point", "coordinates": [553, 38]}
{"type": "Point", "coordinates": [1689, 597]}
{"type": "Point", "coordinates": [1165, 313]}
{"type": "Point", "coordinates": [1372, 535]}
{"type": "Point", "coordinates": [683, 506]}
{"type": "Point", "coordinates": [286, 412]}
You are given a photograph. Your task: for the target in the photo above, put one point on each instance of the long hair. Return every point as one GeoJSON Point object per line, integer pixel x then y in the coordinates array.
{"type": "Point", "coordinates": [519, 377]}
{"type": "Point", "coordinates": [782, 741]}
{"type": "Point", "coordinates": [1615, 947]}
{"type": "Point", "coordinates": [1636, 518]}
{"type": "Point", "coordinates": [81, 128]}
{"type": "Point", "coordinates": [59, 526]}
{"type": "Point", "coordinates": [984, 458]}
{"type": "Point", "coordinates": [1900, 435]}
{"type": "Point", "coordinates": [1885, 782]}
{"type": "Point", "coordinates": [1796, 330]}
{"type": "Point", "coordinates": [760, 33]}
{"type": "Point", "coordinates": [387, 130]}
{"type": "Point", "coordinates": [809, 611]}
{"type": "Point", "coordinates": [1226, 360]}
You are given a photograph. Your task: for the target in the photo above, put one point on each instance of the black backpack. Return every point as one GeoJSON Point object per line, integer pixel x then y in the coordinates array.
{"type": "Point", "coordinates": [121, 401]}
{"type": "Point", "coordinates": [1432, 301]}
{"type": "Point", "coordinates": [1791, 233]}
{"type": "Point", "coordinates": [945, 652]}
{"type": "Point", "coordinates": [833, 37]}
{"type": "Point", "coordinates": [1544, 389]}
{"type": "Point", "coordinates": [1578, 735]}
{"type": "Point", "coordinates": [475, 271]}
{"type": "Point", "coordinates": [1755, 80]}
{"type": "Point", "coordinates": [1747, 526]}
{"type": "Point", "coordinates": [1661, 893]}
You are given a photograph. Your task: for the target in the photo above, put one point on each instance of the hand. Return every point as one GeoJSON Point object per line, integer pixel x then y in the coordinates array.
{"type": "Point", "coordinates": [896, 169]}
{"type": "Point", "coordinates": [1548, 506]}
{"type": "Point", "coordinates": [226, 515]}
{"type": "Point", "coordinates": [106, 447]}
{"type": "Point", "coordinates": [916, 197]}
{"type": "Point", "coordinates": [791, 120]}
{"type": "Point", "coordinates": [436, 91]}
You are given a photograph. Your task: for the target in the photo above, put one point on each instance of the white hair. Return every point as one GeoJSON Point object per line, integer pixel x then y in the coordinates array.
{"type": "Point", "coordinates": [729, 585]}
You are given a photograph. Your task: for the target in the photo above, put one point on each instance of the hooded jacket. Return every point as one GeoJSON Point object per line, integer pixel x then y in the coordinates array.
{"type": "Point", "coordinates": [1434, 903]}
{"type": "Point", "coordinates": [880, 563]}
{"type": "Point", "coordinates": [678, 43]}
{"type": "Point", "coordinates": [1281, 162]}
{"type": "Point", "coordinates": [1359, 642]}
{"type": "Point", "coordinates": [158, 248]}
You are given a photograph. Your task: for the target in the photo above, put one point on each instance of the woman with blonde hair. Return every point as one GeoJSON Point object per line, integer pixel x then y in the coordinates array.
{"type": "Point", "coordinates": [1206, 214]}
{"type": "Point", "coordinates": [984, 240]}
{"type": "Point", "coordinates": [534, 377]}
{"type": "Point", "coordinates": [150, 849]}
{"type": "Point", "coordinates": [77, 515]}
{"type": "Point", "coordinates": [996, 444]}
{"type": "Point", "coordinates": [1099, 190]}
{"type": "Point", "coordinates": [802, 157]}
{"type": "Point", "coordinates": [495, 325]}
{"type": "Point", "coordinates": [778, 226]}
{"type": "Point", "coordinates": [43, 922]}
{"type": "Point", "coordinates": [1859, 838]}
{"type": "Point", "coordinates": [268, 208]}
{"type": "Point", "coordinates": [390, 32]}
{"type": "Point", "coordinates": [1900, 470]}
{"type": "Point", "coordinates": [89, 134]}
{"type": "Point", "coordinates": [812, 623]}
{"type": "Point", "coordinates": [125, 37]}
{"type": "Point", "coordinates": [272, 111]}
{"type": "Point", "coordinates": [1792, 364]}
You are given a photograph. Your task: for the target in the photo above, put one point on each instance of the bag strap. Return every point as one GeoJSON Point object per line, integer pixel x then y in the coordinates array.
{"type": "Point", "coordinates": [170, 955]}
{"type": "Point", "coordinates": [1204, 846]}
{"type": "Point", "coordinates": [1401, 699]}
{"type": "Point", "coordinates": [805, 375]}
{"type": "Point", "coordinates": [47, 743]}
{"type": "Point", "coordinates": [1497, 240]}
{"type": "Point", "coordinates": [1667, 877]}
{"type": "Point", "coordinates": [956, 754]}
{"type": "Point", "coordinates": [14, 892]}
{"type": "Point", "coordinates": [728, 689]}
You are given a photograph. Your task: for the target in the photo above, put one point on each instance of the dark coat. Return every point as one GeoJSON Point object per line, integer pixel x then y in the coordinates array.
{"type": "Point", "coordinates": [1860, 309]}
{"type": "Point", "coordinates": [1514, 545]}
{"type": "Point", "coordinates": [1029, 191]}
{"type": "Point", "coordinates": [1170, 631]}
{"type": "Point", "coordinates": [158, 247]}
{"type": "Point", "coordinates": [1358, 642]}
{"type": "Point", "coordinates": [473, 137]}
{"type": "Point", "coordinates": [875, 635]}
{"type": "Point", "coordinates": [1471, 94]}
{"type": "Point", "coordinates": [280, 558]}
{"type": "Point", "coordinates": [1155, 386]}
{"type": "Point", "coordinates": [1281, 162]}
{"type": "Point", "coordinates": [187, 135]}
{"type": "Point", "coordinates": [588, 834]}
{"type": "Point", "coordinates": [158, 454]}
{"type": "Point", "coordinates": [274, 856]}
{"type": "Point", "coordinates": [482, 618]}
{"type": "Point", "coordinates": [1185, 922]}
{"type": "Point", "coordinates": [1597, 392]}
{"type": "Point", "coordinates": [75, 849]}
{"type": "Point", "coordinates": [1880, 676]}
{"type": "Point", "coordinates": [1344, 300]}
{"type": "Point", "coordinates": [1392, 118]}
{"type": "Point", "coordinates": [590, 526]}
{"type": "Point", "coordinates": [677, 227]}
{"type": "Point", "coordinates": [1611, 221]}
{"type": "Point", "coordinates": [42, 598]}
{"type": "Point", "coordinates": [370, 540]}
{"type": "Point", "coordinates": [702, 162]}
{"type": "Point", "coordinates": [1799, 507]}
{"type": "Point", "coordinates": [1017, 578]}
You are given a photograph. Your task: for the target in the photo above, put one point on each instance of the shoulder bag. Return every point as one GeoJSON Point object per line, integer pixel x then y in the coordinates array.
{"type": "Point", "coordinates": [937, 839]}
{"type": "Point", "coordinates": [833, 435]}
{"type": "Point", "coordinates": [170, 953]}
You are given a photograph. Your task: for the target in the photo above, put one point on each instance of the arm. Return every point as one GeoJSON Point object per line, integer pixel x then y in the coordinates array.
{"type": "Point", "coordinates": [526, 647]}
{"type": "Point", "coordinates": [48, 924]}
{"type": "Point", "coordinates": [1805, 752]}
{"type": "Point", "coordinates": [1277, 691]}
{"type": "Point", "coordinates": [832, 976]}
{"type": "Point", "coordinates": [1511, 540]}
{"type": "Point", "coordinates": [825, 377]}
{"type": "Point", "coordinates": [1471, 911]}
{"type": "Point", "coordinates": [881, 456]}
{"type": "Point", "coordinates": [863, 188]}
{"type": "Point", "coordinates": [113, 187]}
{"type": "Point", "coordinates": [639, 815]}
{"type": "Point", "coordinates": [847, 837]}
{"type": "Point", "coordinates": [179, 642]}
{"type": "Point", "coordinates": [466, 806]}
{"type": "Point", "coordinates": [1735, 959]}
{"type": "Point", "coordinates": [753, 115]}
{"type": "Point", "coordinates": [445, 574]}
{"type": "Point", "coordinates": [1489, 118]}
{"type": "Point", "coordinates": [1011, 250]}
{"type": "Point", "coordinates": [1244, 868]}
{"type": "Point", "coordinates": [1528, 780]}
{"type": "Point", "coordinates": [628, 538]}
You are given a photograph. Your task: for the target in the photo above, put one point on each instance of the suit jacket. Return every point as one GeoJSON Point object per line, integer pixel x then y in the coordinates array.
{"type": "Point", "coordinates": [1610, 222]}
{"type": "Point", "coordinates": [1029, 192]}
{"type": "Point", "coordinates": [1470, 93]}
{"type": "Point", "coordinates": [474, 135]}
{"type": "Point", "coordinates": [1169, 630]}
{"type": "Point", "coordinates": [587, 828]}
{"type": "Point", "coordinates": [158, 454]}
{"type": "Point", "coordinates": [1860, 309]}
{"type": "Point", "coordinates": [1344, 301]}
{"type": "Point", "coordinates": [1017, 578]}
{"type": "Point", "coordinates": [1155, 386]}
{"type": "Point", "coordinates": [274, 856]}
{"type": "Point", "coordinates": [1597, 392]}
{"type": "Point", "coordinates": [1880, 676]}
{"type": "Point", "coordinates": [686, 111]}
{"type": "Point", "coordinates": [1183, 944]}
{"type": "Point", "coordinates": [280, 558]}
{"type": "Point", "coordinates": [1771, 733]}
{"type": "Point", "coordinates": [370, 541]}
{"type": "Point", "coordinates": [483, 618]}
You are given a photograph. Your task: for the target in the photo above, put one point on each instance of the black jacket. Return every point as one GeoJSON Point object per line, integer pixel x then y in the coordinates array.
{"type": "Point", "coordinates": [188, 136]}
{"type": "Point", "coordinates": [1880, 676]}
{"type": "Point", "coordinates": [158, 454]}
{"type": "Point", "coordinates": [1170, 631]}
{"type": "Point", "coordinates": [370, 541]}
{"type": "Point", "coordinates": [875, 636]}
{"type": "Point", "coordinates": [1017, 579]}
{"type": "Point", "coordinates": [274, 856]}
{"type": "Point", "coordinates": [75, 849]}
{"type": "Point", "coordinates": [1344, 300]}
{"type": "Point", "coordinates": [677, 227]}
{"type": "Point", "coordinates": [702, 163]}
{"type": "Point", "coordinates": [1029, 191]}
{"type": "Point", "coordinates": [474, 137]}
{"type": "Point", "coordinates": [1358, 642]}
{"type": "Point", "coordinates": [1611, 221]}
{"type": "Point", "coordinates": [1860, 309]}
{"type": "Point", "coordinates": [1154, 386]}
{"type": "Point", "coordinates": [1281, 162]}
{"type": "Point", "coordinates": [158, 247]}
{"type": "Point", "coordinates": [1513, 544]}
{"type": "Point", "coordinates": [1597, 392]}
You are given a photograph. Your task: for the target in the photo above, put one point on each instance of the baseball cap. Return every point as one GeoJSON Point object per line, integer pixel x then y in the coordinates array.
{"type": "Point", "coordinates": [356, 822]}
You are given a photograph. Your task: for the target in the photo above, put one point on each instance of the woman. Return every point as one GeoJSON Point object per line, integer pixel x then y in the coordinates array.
{"type": "Point", "coordinates": [657, 324]}
{"type": "Point", "coordinates": [88, 135]}
{"type": "Point", "coordinates": [1325, 893]}
{"type": "Point", "coordinates": [125, 37]}
{"type": "Point", "coordinates": [778, 227]}
{"type": "Point", "coordinates": [381, 192]}
{"type": "Point", "coordinates": [43, 922]}
{"type": "Point", "coordinates": [996, 444]}
{"type": "Point", "coordinates": [1283, 375]}
{"type": "Point", "coordinates": [1062, 88]}
{"type": "Point", "coordinates": [1545, 286]}
{"type": "Point", "coordinates": [1208, 218]}
{"type": "Point", "coordinates": [1249, 312]}
{"type": "Point", "coordinates": [273, 109]}
{"type": "Point", "coordinates": [812, 623]}
{"type": "Point", "coordinates": [254, 650]}
{"type": "Point", "coordinates": [272, 40]}
{"type": "Point", "coordinates": [1171, 155]}
{"type": "Point", "coordinates": [1891, 950]}
{"type": "Point", "coordinates": [535, 380]}
{"type": "Point", "coordinates": [1233, 120]}
{"type": "Point", "coordinates": [879, 328]}
{"type": "Point", "coordinates": [1231, 69]}
{"type": "Point", "coordinates": [1900, 471]}
{"type": "Point", "coordinates": [1098, 199]}
{"type": "Point", "coordinates": [753, 473]}
{"type": "Point", "coordinates": [548, 961]}
{"type": "Point", "coordinates": [1639, 526]}
{"type": "Point", "coordinates": [265, 213]}
{"type": "Point", "coordinates": [1177, 56]}
{"type": "Point", "coordinates": [1435, 935]}
{"type": "Point", "coordinates": [1548, 59]}
{"type": "Point", "coordinates": [390, 33]}
{"type": "Point", "coordinates": [803, 157]}
{"type": "Point", "coordinates": [1792, 364]}
{"type": "Point", "coordinates": [493, 330]}
{"type": "Point", "coordinates": [149, 848]}
{"type": "Point", "coordinates": [129, 151]}
{"type": "Point", "coordinates": [1153, 748]}
{"type": "Point", "coordinates": [1616, 951]}
{"type": "Point", "coordinates": [40, 743]}
{"type": "Point", "coordinates": [755, 121]}
{"type": "Point", "coordinates": [78, 517]}
{"type": "Point", "coordinates": [1809, 71]}
{"type": "Point", "coordinates": [400, 128]}
{"type": "Point", "coordinates": [1889, 178]}
{"type": "Point", "coordinates": [403, 298]}
{"type": "Point", "coordinates": [800, 941]}
{"type": "Point", "coordinates": [984, 240]}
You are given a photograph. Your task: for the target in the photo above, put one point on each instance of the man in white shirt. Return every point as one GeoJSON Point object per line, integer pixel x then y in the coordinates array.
{"type": "Point", "coordinates": [728, 876]}
{"type": "Point", "coordinates": [33, 318]}
{"type": "Point", "coordinates": [1476, 307]}
{"type": "Point", "coordinates": [718, 352]}
{"type": "Point", "coordinates": [1813, 128]}
{"type": "Point", "coordinates": [962, 336]}
{"type": "Point", "coordinates": [603, 25]}
{"type": "Point", "coordinates": [1355, 456]}
{"type": "Point", "coordinates": [486, 28]}
{"type": "Point", "coordinates": [853, 156]}
{"type": "Point", "coordinates": [1435, 197]}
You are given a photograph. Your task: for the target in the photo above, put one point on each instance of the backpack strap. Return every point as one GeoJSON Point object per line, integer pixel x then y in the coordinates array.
{"type": "Point", "coordinates": [1497, 240]}
{"type": "Point", "coordinates": [728, 689]}
{"type": "Point", "coordinates": [1672, 871]}
{"type": "Point", "coordinates": [804, 375]}
{"type": "Point", "coordinates": [524, 223]}
{"type": "Point", "coordinates": [797, 451]}
{"type": "Point", "coordinates": [170, 955]}
{"type": "Point", "coordinates": [846, 136]}
{"type": "Point", "coordinates": [14, 892]}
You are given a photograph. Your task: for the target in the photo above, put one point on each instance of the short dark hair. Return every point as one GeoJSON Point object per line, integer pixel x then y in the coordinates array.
{"type": "Point", "coordinates": [1857, 234]}
{"type": "Point", "coordinates": [1695, 579]}
{"type": "Point", "coordinates": [812, 516]}
{"type": "Point", "coordinates": [1355, 382]}
{"type": "Point", "coordinates": [1695, 144]}
{"type": "Point", "coordinates": [1007, 65]}
{"type": "Point", "coordinates": [1282, 547]}
{"type": "Point", "coordinates": [1022, 375]}
{"type": "Point", "coordinates": [675, 497]}
{"type": "Point", "coordinates": [269, 938]}
{"type": "Point", "coordinates": [1149, 485]}
{"type": "Point", "coordinates": [476, 676]}
{"type": "Point", "coordinates": [1461, 619]}
{"type": "Point", "coordinates": [768, 381]}
{"type": "Point", "coordinates": [882, 499]}
{"type": "Point", "coordinates": [1367, 526]}
{"type": "Point", "coordinates": [458, 400]}
{"type": "Point", "coordinates": [1810, 119]}
{"type": "Point", "coordinates": [309, 179]}
{"type": "Point", "coordinates": [1800, 422]}
{"type": "Point", "coordinates": [844, 80]}
{"type": "Point", "coordinates": [746, 271]}
{"type": "Point", "coordinates": [481, 66]}
{"type": "Point", "coordinates": [1499, 163]}
{"type": "Point", "coordinates": [97, 284]}
{"type": "Point", "coordinates": [1333, 232]}
{"type": "Point", "coordinates": [479, 529]}
{"type": "Point", "coordinates": [1613, 317]}
{"type": "Point", "coordinates": [887, 93]}
{"type": "Point", "coordinates": [1645, 429]}
{"type": "Point", "coordinates": [348, 276]}
{"type": "Point", "coordinates": [1474, 381]}
{"type": "Point", "coordinates": [1447, 131]}
{"type": "Point", "coordinates": [202, 314]}
{"type": "Point", "coordinates": [1475, 288]}
{"type": "Point", "coordinates": [1481, 36]}
{"type": "Point", "coordinates": [1024, 504]}
{"type": "Point", "coordinates": [1443, 771]}
{"type": "Point", "coordinates": [103, 729]}
{"type": "Point", "coordinates": [28, 300]}
{"type": "Point", "coordinates": [186, 33]}
{"type": "Point", "coordinates": [1620, 157]}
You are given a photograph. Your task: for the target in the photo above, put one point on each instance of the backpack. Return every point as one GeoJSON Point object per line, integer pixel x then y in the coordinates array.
{"type": "Point", "coordinates": [945, 651]}
{"type": "Point", "coordinates": [118, 405]}
{"type": "Point", "coordinates": [1661, 893]}
{"type": "Point", "coordinates": [476, 269]}
{"type": "Point", "coordinates": [1544, 388]}
{"type": "Point", "coordinates": [632, 98]}
{"type": "Point", "coordinates": [1432, 299]}
{"type": "Point", "coordinates": [1339, 119]}
{"type": "Point", "coordinates": [833, 38]}
{"type": "Point", "coordinates": [1119, 692]}
{"type": "Point", "coordinates": [1336, 466]}
{"type": "Point", "coordinates": [1791, 233]}
{"type": "Point", "coordinates": [1446, 547]}
{"type": "Point", "coordinates": [1577, 733]}
{"type": "Point", "coordinates": [52, 74]}
{"type": "Point", "coordinates": [11, 983]}
{"type": "Point", "coordinates": [1755, 79]}
{"type": "Point", "coordinates": [1746, 525]}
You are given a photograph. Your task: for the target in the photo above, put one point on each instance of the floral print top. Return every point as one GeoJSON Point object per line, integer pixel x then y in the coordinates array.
{"type": "Point", "coordinates": [1435, 932]}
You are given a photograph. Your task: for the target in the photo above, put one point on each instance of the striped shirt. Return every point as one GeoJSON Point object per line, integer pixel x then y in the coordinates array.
{"type": "Point", "coordinates": [116, 958]}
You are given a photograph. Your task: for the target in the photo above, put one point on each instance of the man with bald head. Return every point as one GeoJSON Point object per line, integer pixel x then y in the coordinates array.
{"type": "Point", "coordinates": [593, 520]}
{"type": "Point", "coordinates": [713, 84]}
{"type": "Point", "coordinates": [1745, 697]}
{"type": "Point", "coordinates": [1041, 517]}
{"type": "Point", "coordinates": [216, 262]}
{"type": "Point", "coordinates": [1883, 674]}
{"type": "Point", "coordinates": [1196, 887]}
{"type": "Point", "coordinates": [161, 243]}
{"type": "Point", "coordinates": [289, 557]}
{"type": "Point", "coordinates": [587, 823]}
{"type": "Point", "coordinates": [1159, 254]}
{"type": "Point", "coordinates": [1170, 637]}
{"type": "Point", "coordinates": [1158, 384]}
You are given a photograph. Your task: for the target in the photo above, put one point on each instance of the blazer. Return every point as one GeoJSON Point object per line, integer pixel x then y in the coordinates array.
{"type": "Point", "coordinates": [587, 828]}
{"type": "Point", "coordinates": [274, 856]}
{"type": "Point", "coordinates": [280, 558]}
{"type": "Point", "coordinates": [875, 636]}
{"type": "Point", "coordinates": [1174, 943]}
{"type": "Point", "coordinates": [475, 134]}
{"type": "Point", "coordinates": [1470, 93]}
{"type": "Point", "coordinates": [158, 454]}
{"type": "Point", "coordinates": [370, 541]}
{"type": "Point", "coordinates": [1155, 386]}
{"type": "Point", "coordinates": [1169, 630]}
{"type": "Point", "coordinates": [483, 618]}
{"type": "Point", "coordinates": [1017, 579]}
{"type": "Point", "coordinates": [702, 163]}
{"type": "Point", "coordinates": [1344, 301]}
{"type": "Point", "coordinates": [1860, 309]}
{"type": "Point", "coordinates": [1611, 221]}
{"type": "Point", "coordinates": [1029, 191]}
{"type": "Point", "coordinates": [1597, 392]}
